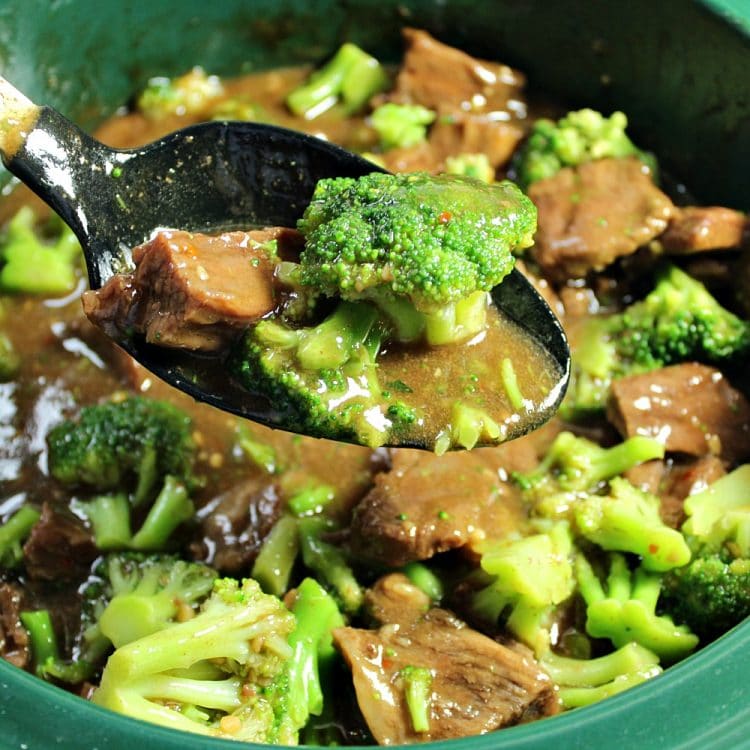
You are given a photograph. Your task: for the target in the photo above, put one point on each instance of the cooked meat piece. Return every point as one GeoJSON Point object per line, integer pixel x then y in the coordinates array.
{"type": "Point", "coordinates": [673, 481]}
{"type": "Point", "coordinates": [691, 408]}
{"type": "Point", "coordinates": [593, 214]}
{"type": "Point", "coordinates": [394, 598]}
{"type": "Point", "coordinates": [59, 547]}
{"type": "Point", "coordinates": [473, 133]}
{"type": "Point", "coordinates": [478, 685]}
{"type": "Point", "coordinates": [192, 291]}
{"type": "Point", "coordinates": [419, 158]}
{"type": "Point", "coordinates": [428, 504]}
{"type": "Point", "coordinates": [14, 640]}
{"type": "Point", "coordinates": [695, 228]}
{"type": "Point", "coordinates": [234, 525]}
{"type": "Point", "coordinates": [447, 80]}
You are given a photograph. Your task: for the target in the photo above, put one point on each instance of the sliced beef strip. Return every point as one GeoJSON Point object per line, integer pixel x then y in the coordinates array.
{"type": "Point", "coordinates": [595, 213]}
{"type": "Point", "coordinates": [478, 685]}
{"type": "Point", "coordinates": [690, 407]}
{"type": "Point", "coordinates": [447, 80]}
{"type": "Point", "coordinates": [14, 640]}
{"type": "Point", "coordinates": [672, 481]}
{"type": "Point", "coordinates": [695, 228]}
{"type": "Point", "coordinates": [235, 524]}
{"type": "Point", "coordinates": [59, 547]}
{"type": "Point", "coordinates": [192, 291]}
{"type": "Point", "coordinates": [428, 504]}
{"type": "Point", "coordinates": [395, 599]}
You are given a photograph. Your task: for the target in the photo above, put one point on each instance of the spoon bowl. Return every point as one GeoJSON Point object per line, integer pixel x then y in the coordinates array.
{"type": "Point", "coordinates": [208, 177]}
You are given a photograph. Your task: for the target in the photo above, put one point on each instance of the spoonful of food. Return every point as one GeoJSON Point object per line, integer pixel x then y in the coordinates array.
{"type": "Point", "coordinates": [352, 304]}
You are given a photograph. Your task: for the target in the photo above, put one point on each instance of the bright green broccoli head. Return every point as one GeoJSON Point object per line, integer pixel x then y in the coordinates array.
{"type": "Point", "coordinates": [577, 138]}
{"type": "Point", "coordinates": [433, 240]}
{"type": "Point", "coordinates": [710, 595]}
{"type": "Point", "coordinates": [678, 321]}
{"type": "Point", "coordinates": [131, 443]}
{"type": "Point", "coordinates": [401, 125]}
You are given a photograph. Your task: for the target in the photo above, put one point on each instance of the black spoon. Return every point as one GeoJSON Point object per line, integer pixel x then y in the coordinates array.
{"type": "Point", "coordinates": [205, 177]}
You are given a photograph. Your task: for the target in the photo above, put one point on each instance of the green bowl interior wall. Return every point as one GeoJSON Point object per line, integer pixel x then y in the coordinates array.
{"type": "Point", "coordinates": [678, 68]}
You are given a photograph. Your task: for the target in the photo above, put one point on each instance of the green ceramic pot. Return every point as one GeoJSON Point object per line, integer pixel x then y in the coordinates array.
{"type": "Point", "coordinates": [678, 68]}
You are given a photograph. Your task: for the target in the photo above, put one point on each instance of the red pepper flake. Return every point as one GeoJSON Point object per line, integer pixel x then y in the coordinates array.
{"type": "Point", "coordinates": [653, 548]}
{"type": "Point", "coordinates": [445, 217]}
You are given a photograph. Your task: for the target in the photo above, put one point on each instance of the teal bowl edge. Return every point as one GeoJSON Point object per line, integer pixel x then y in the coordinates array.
{"type": "Point", "coordinates": [703, 702]}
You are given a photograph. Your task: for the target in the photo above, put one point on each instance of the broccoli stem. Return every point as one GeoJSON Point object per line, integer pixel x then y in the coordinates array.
{"type": "Point", "coordinates": [273, 566]}
{"type": "Point", "coordinates": [14, 532]}
{"type": "Point", "coordinates": [351, 76]}
{"type": "Point", "coordinates": [329, 564]}
{"type": "Point", "coordinates": [109, 516]}
{"type": "Point", "coordinates": [510, 384]}
{"type": "Point", "coordinates": [417, 683]}
{"type": "Point", "coordinates": [424, 579]}
{"type": "Point", "coordinates": [469, 426]}
{"type": "Point", "coordinates": [171, 508]}
{"type": "Point", "coordinates": [313, 651]}
{"type": "Point", "coordinates": [331, 344]}
{"type": "Point", "coordinates": [42, 637]}
{"type": "Point", "coordinates": [260, 453]}
{"type": "Point", "coordinates": [577, 697]}
{"type": "Point", "coordinates": [594, 672]}
{"type": "Point", "coordinates": [311, 500]}
{"type": "Point", "coordinates": [129, 617]}
{"type": "Point", "coordinates": [457, 321]}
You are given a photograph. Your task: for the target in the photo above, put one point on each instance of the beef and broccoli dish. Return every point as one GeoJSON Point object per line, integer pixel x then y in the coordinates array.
{"type": "Point", "coordinates": [175, 564]}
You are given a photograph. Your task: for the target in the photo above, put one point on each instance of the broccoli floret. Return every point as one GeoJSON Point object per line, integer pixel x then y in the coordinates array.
{"type": "Point", "coordinates": [425, 579]}
{"type": "Point", "coordinates": [130, 595]}
{"type": "Point", "coordinates": [136, 441]}
{"type": "Point", "coordinates": [401, 125]}
{"type": "Point", "coordinates": [189, 94]}
{"type": "Point", "coordinates": [323, 377]}
{"type": "Point", "coordinates": [239, 109]}
{"type": "Point", "coordinates": [311, 499]}
{"type": "Point", "coordinates": [351, 77]}
{"type": "Point", "coordinates": [579, 137]}
{"type": "Point", "coordinates": [35, 264]}
{"type": "Point", "coordinates": [259, 452]}
{"type": "Point", "coordinates": [710, 595]}
{"type": "Point", "coordinates": [585, 681]}
{"type": "Point", "coordinates": [532, 575]}
{"type": "Point", "coordinates": [149, 593]}
{"type": "Point", "coordinates": [574, 464]}
{"type": "Point", "coordinates": [678, 321]}
{"type": "Point", "coordinates": [627, 519]}
{"type": "Point", "coordinates": [718, 518]}
{"type": "Point", "coordinates": [13, 533]}
{"type": "Point", "coordinates": [626, 610]}
{"type": "Point", "coordinates": [424, 244]}
{"type": "Point", "coordinates": [223, 673]}
{"type": "Point", "coordinates": [417, 686]}
{"type": "Point", "coordinates": [471, 165]}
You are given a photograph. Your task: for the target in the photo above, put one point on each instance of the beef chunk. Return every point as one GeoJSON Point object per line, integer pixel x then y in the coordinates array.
{"type": "Point", "coordinates": [59, 547]}
{"type": "Point", "coordinates": [595, 213]}
{"type": "Point", "coordinates": [478, 685]}
{"type": "Point", "coordinates": [673, 481]}
{"type": "Point", "coordinates": [447, 80]}
{"type": "Point", "coordinates": [473, 133]}
{"type": "Point", "coordinates": [14, 640]}
{"type": "Point", "coordinates": [428, 504]}
{"type": "Point", "coordinates": [192, 291]}
{"type": "Point", "coordinates": [235, 524]}
{"type": "Point", "coordinates": [694, 229]}
{"type": "Point", "coordinates": [690, 407]}
{"type": "Point", "coordinates": [394, 598]}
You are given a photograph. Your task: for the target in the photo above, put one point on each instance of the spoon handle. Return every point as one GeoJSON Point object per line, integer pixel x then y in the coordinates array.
{"type": "Point", "coordinates": [18, 115]}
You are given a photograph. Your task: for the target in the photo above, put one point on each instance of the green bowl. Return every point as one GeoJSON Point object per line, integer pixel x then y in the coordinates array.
{"type": "Point", "coordinates": [678, 68]}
